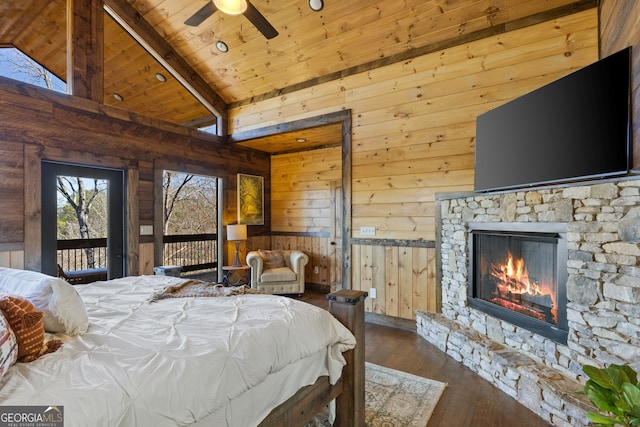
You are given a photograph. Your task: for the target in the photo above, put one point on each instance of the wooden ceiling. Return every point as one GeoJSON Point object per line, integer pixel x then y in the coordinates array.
{"type": "Point", "coordinates": [298, 140]}
{"type": "Point", "coordinates": [343, 38]}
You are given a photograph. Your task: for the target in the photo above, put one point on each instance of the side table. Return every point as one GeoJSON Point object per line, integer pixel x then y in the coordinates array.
{"type": "Point", "coordinates": [236, 276]}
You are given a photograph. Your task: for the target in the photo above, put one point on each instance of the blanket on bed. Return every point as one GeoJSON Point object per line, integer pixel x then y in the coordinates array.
{"type": "Point", "coordinates": [198, 288]}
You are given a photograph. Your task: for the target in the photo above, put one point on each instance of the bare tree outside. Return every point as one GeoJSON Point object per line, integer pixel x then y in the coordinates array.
{"type": "Point", "coordinates": [82, 211]}
{"type": "Point", "coordinates": [173, 184]}
{"type": "Point", "coordinates": [17, 65]}
{"type": "Point", "coordinates": [190, 209]}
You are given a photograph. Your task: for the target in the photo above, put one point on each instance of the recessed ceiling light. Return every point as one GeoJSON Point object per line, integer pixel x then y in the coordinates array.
{"type": "Point", "coordinates": [118, 97]}
{"type": "Point", "coordinates": [161, 77]}
{"type": "Point", "coordinates": [222, 46]}
{"type": "Point", "coordinates": [301, 140]}
{"type": "Point", "coordinates": [316, 5]}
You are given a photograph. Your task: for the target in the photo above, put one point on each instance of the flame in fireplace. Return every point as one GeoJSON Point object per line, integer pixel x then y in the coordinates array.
{"type": "Point", "coordinates": [517, 292]}
{"type": "Point", "coordinates": [513, 277]}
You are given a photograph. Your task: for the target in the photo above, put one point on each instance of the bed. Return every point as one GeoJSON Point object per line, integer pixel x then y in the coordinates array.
{"type": "Point", "coordinates": [239, 360]}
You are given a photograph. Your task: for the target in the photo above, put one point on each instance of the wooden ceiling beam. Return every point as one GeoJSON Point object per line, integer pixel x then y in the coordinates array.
{"type": "Point", "coordinates": [135, 24]}
{"type": "Point", "coordinates": [85, 49]}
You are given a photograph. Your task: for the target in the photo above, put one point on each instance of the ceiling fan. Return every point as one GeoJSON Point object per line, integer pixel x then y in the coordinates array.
{"type": "Point", "coordinates": [234, 7]}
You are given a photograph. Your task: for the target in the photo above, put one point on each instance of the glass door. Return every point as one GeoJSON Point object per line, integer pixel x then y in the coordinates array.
{"type": "Point", "coordinates": [83, 222]}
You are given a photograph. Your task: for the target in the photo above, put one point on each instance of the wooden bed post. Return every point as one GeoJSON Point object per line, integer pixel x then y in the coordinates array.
{"type": "Point", "coordinates": [347, 306]}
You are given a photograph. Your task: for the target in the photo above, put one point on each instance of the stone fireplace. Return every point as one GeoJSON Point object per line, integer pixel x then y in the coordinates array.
{"type": "Point", "coordinates": [596, 226]}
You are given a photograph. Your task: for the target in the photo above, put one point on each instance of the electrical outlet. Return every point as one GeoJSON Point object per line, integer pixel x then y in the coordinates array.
{"type": "Point", "coordinates": [367, 231]}
{"type": "Point", "coordinates": [316, 269]}
{"type": "Point", "coordinates": [372, 293]}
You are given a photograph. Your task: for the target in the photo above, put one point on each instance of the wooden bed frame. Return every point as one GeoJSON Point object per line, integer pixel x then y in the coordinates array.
{"type": "Point", "coordinates": [348, 307]}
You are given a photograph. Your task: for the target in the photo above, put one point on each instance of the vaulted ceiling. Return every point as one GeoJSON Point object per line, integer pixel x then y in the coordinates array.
{"type": "Point", "coordinates": [343, 38]}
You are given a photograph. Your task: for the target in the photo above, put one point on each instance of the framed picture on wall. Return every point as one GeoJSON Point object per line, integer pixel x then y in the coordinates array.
{"type": "Point", "coordinates": [250, 199]}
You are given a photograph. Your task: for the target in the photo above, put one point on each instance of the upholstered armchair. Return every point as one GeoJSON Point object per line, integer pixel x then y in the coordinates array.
{"type": "Point", "coordinates": [278, 271]}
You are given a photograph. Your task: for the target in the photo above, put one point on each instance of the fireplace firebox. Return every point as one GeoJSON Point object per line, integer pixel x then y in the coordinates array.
{"type": "Point", "coordinates": [518, 273]}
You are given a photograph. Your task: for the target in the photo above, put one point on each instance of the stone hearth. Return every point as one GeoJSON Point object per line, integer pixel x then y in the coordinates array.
{"type": "Point", "coordinates": [603, 293]}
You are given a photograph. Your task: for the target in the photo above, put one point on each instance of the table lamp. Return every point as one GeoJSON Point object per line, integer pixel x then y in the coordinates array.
{"type": "Point", "coordinates": [237, 232]}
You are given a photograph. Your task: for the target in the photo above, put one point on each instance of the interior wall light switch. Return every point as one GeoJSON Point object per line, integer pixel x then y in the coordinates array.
{"type": "Point", "coordinates": [146, 230]}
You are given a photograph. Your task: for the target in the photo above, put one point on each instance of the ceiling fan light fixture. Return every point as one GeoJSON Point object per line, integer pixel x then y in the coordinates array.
{"type": "Point", "coordinates": [316, 5]}
{"type": "Point", "coordinates": [231, 7]}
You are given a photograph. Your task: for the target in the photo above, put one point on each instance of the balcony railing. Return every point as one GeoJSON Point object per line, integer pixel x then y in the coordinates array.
{"type": "Point", "coordinates": [192, 252]}
{"type": "Point", "coordinates": [84, 258]}
{"type": "Point", "coordinates": [82, 254]}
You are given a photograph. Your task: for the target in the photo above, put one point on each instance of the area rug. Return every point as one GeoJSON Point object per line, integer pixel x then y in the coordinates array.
{"type": "Point", "coordinates": [395, 399]}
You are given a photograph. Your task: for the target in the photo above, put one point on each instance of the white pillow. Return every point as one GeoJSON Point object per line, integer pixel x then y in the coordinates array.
{"type": "Point", "coordinates": [61, 304]}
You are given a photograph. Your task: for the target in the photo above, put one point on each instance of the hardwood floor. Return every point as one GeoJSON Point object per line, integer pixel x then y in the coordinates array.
{"type": "Point", "coordinates": [468, 399]}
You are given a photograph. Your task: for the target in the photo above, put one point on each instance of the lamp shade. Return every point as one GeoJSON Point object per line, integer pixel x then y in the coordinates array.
{"type": "Point", "coordinates": [237, 232]}
{"type": "Point", "coordinates": [231, 7]}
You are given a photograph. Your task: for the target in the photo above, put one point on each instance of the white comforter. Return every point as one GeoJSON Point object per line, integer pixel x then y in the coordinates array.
{"type": "Point", "coordinates": [177, 361]}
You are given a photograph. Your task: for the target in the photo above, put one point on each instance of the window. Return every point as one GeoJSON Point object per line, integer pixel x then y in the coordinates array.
{"type": "Point", "coordinates": [16, 65]}
{"type": "Point", "coordinates": [190, 220]}
{"type": "Point", "coordinates": [212, 129]}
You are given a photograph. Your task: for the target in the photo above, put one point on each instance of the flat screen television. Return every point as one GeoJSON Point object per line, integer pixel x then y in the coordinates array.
{"type": "Point", "coordinates": [577, 127]}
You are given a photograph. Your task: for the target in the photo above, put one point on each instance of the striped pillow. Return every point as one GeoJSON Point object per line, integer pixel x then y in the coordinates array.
{"type": "Point", "coordinates": [8, 346]}
{"type": "Point", "coordinates": [28, 327]}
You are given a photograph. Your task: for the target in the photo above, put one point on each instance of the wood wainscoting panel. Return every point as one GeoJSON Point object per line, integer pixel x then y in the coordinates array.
{"type": "Point", "coordinates": [323, 257]}
{"type": "Point", "coordinates": [253, 243]}
{"type": "Point", "coordinates": [402, 273]}
{"type": "Point", "coordinates": [403, 276]}
{"type": "Point", "coordinates": [12, 259]}
{"type": "Point", "coordinates": [145, 258]}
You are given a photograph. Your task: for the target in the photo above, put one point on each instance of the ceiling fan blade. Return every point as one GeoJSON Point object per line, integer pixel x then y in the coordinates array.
{"type": "Point", "coordinates": [259, 21]}
{"type": "Point", "coordinates": [199, 17]}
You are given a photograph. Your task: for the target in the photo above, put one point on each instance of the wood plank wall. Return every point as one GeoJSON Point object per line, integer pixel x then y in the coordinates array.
{"type": "Point", "coordinates": [304, 210]}
{"type": "Point", "coordinates": [325, 259]}
{"type": "Point", "coordinates": [620, 28]}
{"type": "Point", "coordinates": [301, 199]}
{"type": "Point", "coordinates": [414, 134]}
{"type": "Point", "coordinates": [37, 124]}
